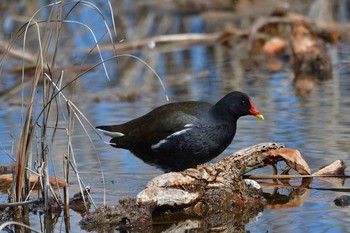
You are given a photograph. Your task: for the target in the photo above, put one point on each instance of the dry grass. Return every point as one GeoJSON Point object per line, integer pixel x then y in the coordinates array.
{"type": "Point", "coordinates": [41, 115]}
{"type": "Point", "coordinates": [39, 128]}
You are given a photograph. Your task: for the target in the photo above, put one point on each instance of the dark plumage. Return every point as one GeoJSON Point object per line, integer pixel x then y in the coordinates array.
{"type": "Point", "coordinates": [180, 135]}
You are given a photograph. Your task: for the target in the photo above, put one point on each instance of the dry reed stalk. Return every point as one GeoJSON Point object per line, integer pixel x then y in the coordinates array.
{"type": "Point", "coordinates": [24, 155]}
{"type": "Point", "coordinates": [66, 161]}
{"type": "Point", "coordinates": [24, 146]}
{"type": "Point", "coordinates": [36, 124]}
{"type": "Point", "coordinates": [45, 162]}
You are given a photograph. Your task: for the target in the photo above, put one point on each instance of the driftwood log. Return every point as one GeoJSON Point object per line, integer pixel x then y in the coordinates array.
{"type": "Point", "coordinates": [208, 190]}
{"type": "Point", "coordinates": [210, 196]}
{"type": "Point", "coordinates": [181, 189]}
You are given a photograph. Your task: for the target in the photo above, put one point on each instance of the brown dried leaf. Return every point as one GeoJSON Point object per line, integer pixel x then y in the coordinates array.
{"type": "Point", "coordinates": [6, 180]}
{"type": "Point", "coordinates": [336, 168]}
{"type": "Point", "coordinates": [292, 158]}
{"type": "Point", "coordinates": [274, 46]}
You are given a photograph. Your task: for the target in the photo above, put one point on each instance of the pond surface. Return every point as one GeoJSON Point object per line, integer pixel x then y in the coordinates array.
{"type": "Point", "coordinates": [317, 125]}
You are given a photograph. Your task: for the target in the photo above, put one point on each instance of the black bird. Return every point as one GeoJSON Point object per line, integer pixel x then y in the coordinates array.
{"type": "Point", "coordinates": [181, 135]}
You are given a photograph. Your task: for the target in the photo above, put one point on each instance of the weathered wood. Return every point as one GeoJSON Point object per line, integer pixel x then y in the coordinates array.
{"type": "Point", "coordinates": [207, 190]}
{"type": "Point", "coordinates": [217, 193]}
{"type": "Point", "coordinates": [181, 189]}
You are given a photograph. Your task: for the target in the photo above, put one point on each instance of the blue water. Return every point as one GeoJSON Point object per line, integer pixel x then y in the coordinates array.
{"type": "Point", "coordinates": [317, 125]}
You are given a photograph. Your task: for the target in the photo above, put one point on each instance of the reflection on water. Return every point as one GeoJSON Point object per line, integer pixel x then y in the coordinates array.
{"type": "Point", "coordinates": [317, 125]}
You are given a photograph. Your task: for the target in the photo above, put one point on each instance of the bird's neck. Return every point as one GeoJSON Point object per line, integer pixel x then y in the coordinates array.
{"type": "Point", "coordinates": [220, 114]}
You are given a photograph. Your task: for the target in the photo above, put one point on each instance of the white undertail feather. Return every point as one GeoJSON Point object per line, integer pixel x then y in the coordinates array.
{"type": "Point", "coordinates": [110, 143]}
{"type": "Point", "coordinates": [111, 134]}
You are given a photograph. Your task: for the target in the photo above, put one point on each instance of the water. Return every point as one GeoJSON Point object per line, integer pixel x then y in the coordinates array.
{"type": "Point", "coordinates": [317, 125]}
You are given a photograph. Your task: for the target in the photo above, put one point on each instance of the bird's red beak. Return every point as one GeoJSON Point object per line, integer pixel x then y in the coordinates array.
{"type": "Point", "coordinates": [255, 111]}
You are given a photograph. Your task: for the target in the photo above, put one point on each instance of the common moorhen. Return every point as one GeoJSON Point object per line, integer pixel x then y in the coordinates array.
{"type": "Point", "coordinates": [181, 135]}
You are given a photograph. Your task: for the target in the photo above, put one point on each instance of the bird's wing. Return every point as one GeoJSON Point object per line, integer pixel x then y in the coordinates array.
{"type": "Point", "coordinates": [159, 128]}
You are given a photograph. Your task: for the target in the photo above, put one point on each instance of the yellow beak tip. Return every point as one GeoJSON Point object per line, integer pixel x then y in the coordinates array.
{"type": "Point", "coordinates": [260, 116]}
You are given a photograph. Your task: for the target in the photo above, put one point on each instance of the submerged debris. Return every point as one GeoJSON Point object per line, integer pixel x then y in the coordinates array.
{"type": "Point", "coordinates": [342, 201]}
{"type": "Point", "coordinates": [287, 35]}
{"type": "Point", "coordinates": [80, 202]}
{"type": "Point", "coordinates": [128, 213]}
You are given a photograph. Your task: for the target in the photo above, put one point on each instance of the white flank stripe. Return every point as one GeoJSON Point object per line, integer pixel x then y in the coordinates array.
{"type": "Point", "coordinates": [111, 134]}
{"type": "Point", "coordinates": [156, 146]}
{"type": "Point", "coordinates": [177, 133]}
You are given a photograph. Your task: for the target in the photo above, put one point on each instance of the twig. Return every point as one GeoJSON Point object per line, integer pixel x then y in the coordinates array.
{"type": "Point", "coordinates": [149, 67]}
{"type": "Point", "coordinates": [83, 184]}
{"type": "Point", "coordinates": [72, 107]}
{"type": "Point", "coordinates": [257, 177]}
{"type": "Point", "coordinates": [277, 185]}
{"type": "Point", "coordinates": [2, 226]}
{"type": "Point", "coordinates": [18, 203]}
{"type": "Point", "coordinates": [262, 22]}
{"type": "Point", "coordinates": [8, 154]}
{"type": "Point", "coordinates": [180, 40]}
